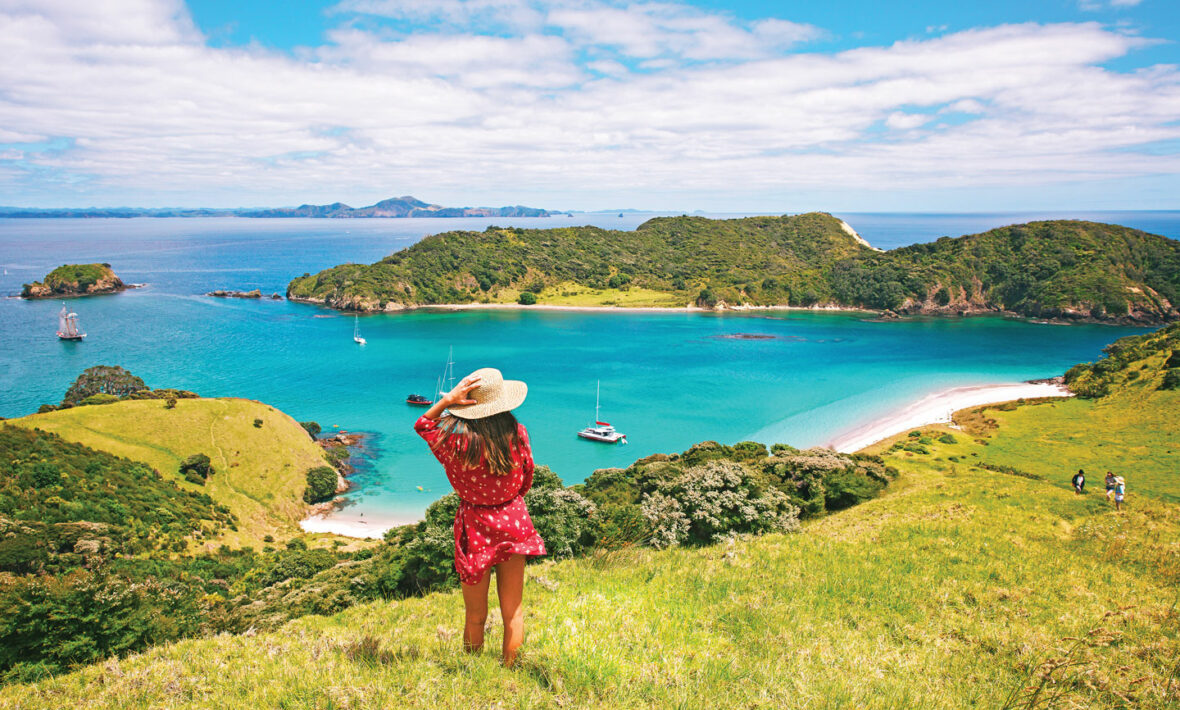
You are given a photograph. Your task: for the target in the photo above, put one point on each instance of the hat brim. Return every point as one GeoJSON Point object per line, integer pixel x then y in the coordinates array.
{"type": "Point", "coordinates": [512, 394]}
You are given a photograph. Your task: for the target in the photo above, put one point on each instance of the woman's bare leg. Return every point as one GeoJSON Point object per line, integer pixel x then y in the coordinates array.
{"type": "Point", "coordinates": [475, 606]}
{"type": "Point", "coordinates": [510, 589]}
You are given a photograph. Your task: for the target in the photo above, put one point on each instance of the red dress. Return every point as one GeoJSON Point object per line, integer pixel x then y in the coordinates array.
{"type": "Point", "coordinates": [492, 523]}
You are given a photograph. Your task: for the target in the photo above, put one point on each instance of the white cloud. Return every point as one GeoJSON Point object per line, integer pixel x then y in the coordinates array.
{"type": "Point", "coordinates": [684, 107]}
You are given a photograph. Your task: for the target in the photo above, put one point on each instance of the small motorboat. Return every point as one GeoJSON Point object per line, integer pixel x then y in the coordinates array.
{"type": "Point", "coordinates": [600, 430]}
{"type": "Point", "coordinates": [419, 401]}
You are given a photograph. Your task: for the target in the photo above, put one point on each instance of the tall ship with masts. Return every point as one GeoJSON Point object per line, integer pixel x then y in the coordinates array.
{"type": "Point", "coordinates": [67, 325]}
{"type": "Point", "coordinates": [600, 430]}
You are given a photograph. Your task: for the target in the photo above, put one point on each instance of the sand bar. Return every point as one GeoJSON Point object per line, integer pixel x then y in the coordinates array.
{"type": "Point", "coordinates": [938, 407]}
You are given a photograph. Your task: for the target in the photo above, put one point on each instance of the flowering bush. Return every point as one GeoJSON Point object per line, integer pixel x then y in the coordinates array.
{"type": "Point", "coordinates": [707, 503]}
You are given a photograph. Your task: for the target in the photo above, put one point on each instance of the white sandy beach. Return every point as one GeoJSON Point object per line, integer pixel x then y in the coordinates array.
{"type": "Point", "coordinates": [354, 525]}
{"type": "Point", "coordinates": [937, 408]}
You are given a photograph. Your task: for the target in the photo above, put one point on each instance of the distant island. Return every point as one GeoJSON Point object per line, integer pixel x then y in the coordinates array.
{"type": "Point", "coordinates": [395, 207]}
{"type": "Point", "coordinates": [73, 280]}
{"type": "Point", "coordinates": [1065, 270]}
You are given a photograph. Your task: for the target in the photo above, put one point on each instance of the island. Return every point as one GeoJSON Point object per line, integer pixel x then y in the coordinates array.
{"type": "Point", "coordinates": [73, 280]}
{"type": "Point", "coordinates": [1062, 270]}
{"type": "Point", "coordinates": [394, 207]}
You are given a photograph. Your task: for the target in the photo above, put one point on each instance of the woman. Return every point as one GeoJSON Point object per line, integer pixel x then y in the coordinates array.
{"type": "Point", "coordinates": [489, 463]}
{"type": "Point", "coordinates": [1079, 482]}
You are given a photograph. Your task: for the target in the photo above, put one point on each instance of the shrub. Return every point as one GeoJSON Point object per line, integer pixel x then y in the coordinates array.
{"type": "Point", "coordinates": [257, 423]}
{"type": "Point", "coordinates": [561, 516]}
{"type": "Point", "coordinates": [526, 298]}
{"type": "Point", "coordinates": [321, 484]}
{"type": "Point", "coordinates": [170, 403]}
{"type": "Point", "coordinates": [1171, 380]}
{"type": "Point", "coordinates": [100, 398]}
{"type": "Point", "coordinates": [948, 438]}
{"type": "Point", "coordinates": [197, 466]}
{"type": "Point", "coordinates": [313, 429]}
{"type": "Point", "coordinates": [706, 298]}
{"type": "Point", "coordinates": [706, 503]}
{"type": "Point", "coordinates": [535, 287]}
{"type": "Point", "coordinates": [846, 488]}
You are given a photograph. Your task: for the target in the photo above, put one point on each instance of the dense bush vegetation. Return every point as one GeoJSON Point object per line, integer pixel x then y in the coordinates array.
{"type": "Point", "coordinates": [1044, 269]}
{"type": "Point", "coordinates": [1159, 349]}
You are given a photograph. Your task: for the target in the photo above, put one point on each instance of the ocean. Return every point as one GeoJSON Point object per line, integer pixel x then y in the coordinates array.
{"type": "Point", "coordinates": [668, 380]}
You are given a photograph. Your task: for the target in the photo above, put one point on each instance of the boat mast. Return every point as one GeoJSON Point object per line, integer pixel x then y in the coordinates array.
{"type": "Point", "coordinates": [597, 396]}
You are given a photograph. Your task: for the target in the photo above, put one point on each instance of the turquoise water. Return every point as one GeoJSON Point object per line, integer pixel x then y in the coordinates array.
{"type": "Point", "coordinates": [668, 379]}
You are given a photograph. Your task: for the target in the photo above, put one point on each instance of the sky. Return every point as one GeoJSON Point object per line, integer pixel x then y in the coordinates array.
{"type": "Point", "coordinates": [844, 105]}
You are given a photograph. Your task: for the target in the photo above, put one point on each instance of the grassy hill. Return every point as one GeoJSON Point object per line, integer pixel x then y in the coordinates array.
{"type": "Point", "coordinates": [1066, 269]}
{"type": "Point", "coordinates": [976, 579]}
{"type": "Point", "coordinates": [75, 280]}
{"type": "Point", "coordinates": [260, 471]}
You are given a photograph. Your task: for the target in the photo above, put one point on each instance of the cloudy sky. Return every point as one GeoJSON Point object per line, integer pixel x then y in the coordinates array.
{"type": "Point", "coordinates": [588, 104]}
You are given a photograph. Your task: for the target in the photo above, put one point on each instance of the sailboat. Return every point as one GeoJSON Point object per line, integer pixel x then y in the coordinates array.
{"type": "Point", "coordinates": [356, 331]}
{"type": "Point", "coordinates": [67, 325]}
{"type": "Point", "coordinates": [600, 430]}
{"type": "Point", "coordinates": [446, 383]}
{"type": "Point", "coordinates": [442, 385]}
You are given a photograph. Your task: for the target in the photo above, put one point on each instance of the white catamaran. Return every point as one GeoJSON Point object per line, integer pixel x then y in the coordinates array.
{"type": "Point", "coordinates": [67, 325]}
{"type": "Point", "coordinates": [356, 331]}
{"type": "Point", "coordinates": [602, 431]}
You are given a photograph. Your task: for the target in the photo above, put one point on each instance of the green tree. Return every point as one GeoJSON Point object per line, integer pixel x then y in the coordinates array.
{"type": "Point", "coordinates": [313, 428]}
{"type": "Point", "coordinates": [196, 468]}
{"type": "Point", "coordinates": [103, 379]}
{"type": "Point", "coordinates": [526, 298]}
{"type": "Point", "coordinates": [321, 484]}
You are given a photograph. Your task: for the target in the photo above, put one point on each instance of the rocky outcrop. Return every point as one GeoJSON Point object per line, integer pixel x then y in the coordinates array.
{"type": "Point", "coordinates": [74, 280]}
{"type": "Point", "coordinates": [256, 293]}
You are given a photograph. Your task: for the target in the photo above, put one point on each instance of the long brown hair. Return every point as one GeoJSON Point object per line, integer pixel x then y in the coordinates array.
{"type": "Point", "coordinates": [489, 440]}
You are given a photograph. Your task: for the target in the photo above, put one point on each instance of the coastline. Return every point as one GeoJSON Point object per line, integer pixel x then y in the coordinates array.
{"type": "Point", "coordinates": [938, 408]}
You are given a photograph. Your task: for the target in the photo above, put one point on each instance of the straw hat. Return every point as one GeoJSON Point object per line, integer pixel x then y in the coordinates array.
{"type": "Point", "coordinates": [493, 395]}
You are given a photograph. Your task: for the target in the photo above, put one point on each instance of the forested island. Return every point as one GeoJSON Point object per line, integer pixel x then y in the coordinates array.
{"type": "Point", "coordinates": [71, 280]}
{"type": "Point", "coordinates": [1061, 269]}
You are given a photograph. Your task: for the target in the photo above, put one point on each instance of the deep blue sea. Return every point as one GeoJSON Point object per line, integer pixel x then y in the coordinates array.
{"type": "Point", "coordinates": [668, 380]}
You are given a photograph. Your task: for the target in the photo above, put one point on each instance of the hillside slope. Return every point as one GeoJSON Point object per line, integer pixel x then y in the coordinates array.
{"type": "Point", "coordinates": [260, 471]}
{"type": "Point", "coordinates": [960, 586]}
{"type": "Point", "coordinates": [1061, 269]}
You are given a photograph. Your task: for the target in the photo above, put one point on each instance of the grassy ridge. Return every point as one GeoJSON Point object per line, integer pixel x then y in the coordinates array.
{"type": "Point", "coordinates": [1048, 269]}
{"type": "Point", "coordinates": [260, 471]}
{"type": "Point", "coordinates": [964, 584]}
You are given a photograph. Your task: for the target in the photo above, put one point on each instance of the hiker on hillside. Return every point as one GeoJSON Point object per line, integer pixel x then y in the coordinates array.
{"type": "Point", "coordinates": [488, 460]}
{"type": "Point", "coordinates": [1110, 479]}
{"type": "Point", "coordinates": [1120, 490]}
{"type": "Point", "coordinates": [1079, 482]}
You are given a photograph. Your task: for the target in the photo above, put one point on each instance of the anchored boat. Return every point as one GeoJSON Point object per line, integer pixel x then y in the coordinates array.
{"type": "Point", "coordinates": [600, 430]}
{"type": "Point", "coordinates": [419, 401]}
{"type": "Point", "coordinates": [67, 325]}
{"type": "Point", "coordinates": [356, 331]}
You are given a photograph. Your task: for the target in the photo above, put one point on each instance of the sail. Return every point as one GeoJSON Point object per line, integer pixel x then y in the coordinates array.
{"type": "Point", "coordinates": [62, 320]}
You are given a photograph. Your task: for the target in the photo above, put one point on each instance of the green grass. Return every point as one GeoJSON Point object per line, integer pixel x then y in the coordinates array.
{"type": "Point", "coordinates": [260, 472]}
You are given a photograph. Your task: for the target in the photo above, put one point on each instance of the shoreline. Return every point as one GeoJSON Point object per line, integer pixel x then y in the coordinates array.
{"type": "Point", "coordinates": [938, 408]}
{"type": "Point", "coordinates": [340, 522]}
